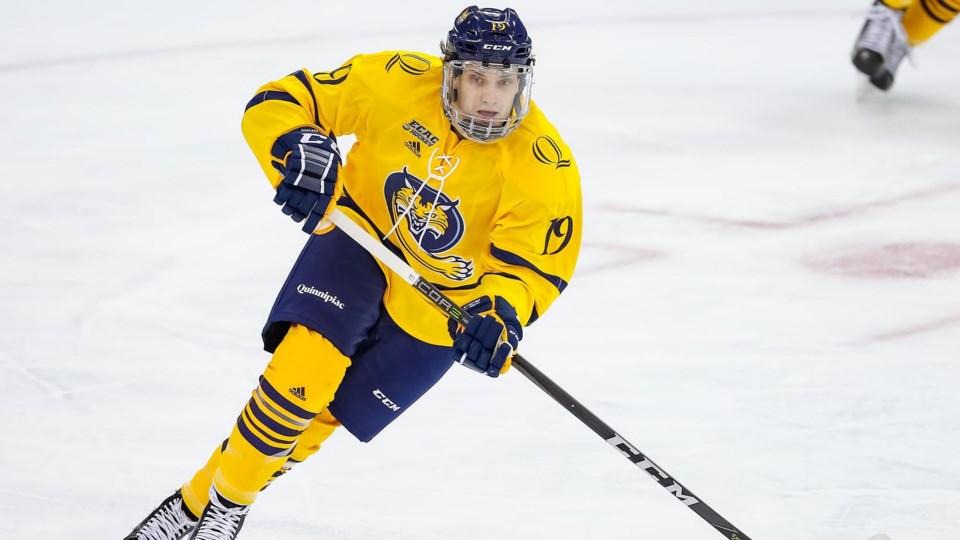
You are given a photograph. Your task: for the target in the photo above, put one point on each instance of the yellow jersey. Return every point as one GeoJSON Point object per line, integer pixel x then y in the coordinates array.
{"type": "Point", "coordinates": [499, 218]}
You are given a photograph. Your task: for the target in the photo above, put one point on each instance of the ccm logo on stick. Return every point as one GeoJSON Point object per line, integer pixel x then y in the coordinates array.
{"type": "Point", "coordinates": [648, 466]}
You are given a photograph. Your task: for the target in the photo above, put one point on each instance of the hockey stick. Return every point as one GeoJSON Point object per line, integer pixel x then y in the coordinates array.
{"type": "Point", "coordinates": [432, 293]}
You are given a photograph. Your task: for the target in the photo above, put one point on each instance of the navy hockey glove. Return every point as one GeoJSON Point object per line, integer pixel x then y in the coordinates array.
{"type": "Point", "coordinates": [311, 163]}
{"type": "Point", "coordinates": [489, 339]}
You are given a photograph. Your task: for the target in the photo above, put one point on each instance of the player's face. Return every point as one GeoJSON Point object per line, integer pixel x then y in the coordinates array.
{"type": "Point", "coordinates": [485, 102]}
{"type": "Point", "coordinates": [486, 94]}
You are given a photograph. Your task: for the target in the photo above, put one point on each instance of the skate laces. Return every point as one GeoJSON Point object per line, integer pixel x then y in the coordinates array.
{"type": "Point", "coordinates": [900, 46]}
{"type": "Point", "coordinates": [169, 522]}
{"type": "Point", "coordinates": [884, 34]}
{"type": "Point", "coordinates": [219, 522]}
{"type": "Point", "coordinates": [878, 29]}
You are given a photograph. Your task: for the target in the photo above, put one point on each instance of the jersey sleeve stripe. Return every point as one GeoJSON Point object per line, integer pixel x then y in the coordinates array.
{"type": "Point", "coordinates": [271, 95]}
{"type": "Point", "coordinates": [302, 77]}
{"type": "Point", "coordinates": [516, 260]}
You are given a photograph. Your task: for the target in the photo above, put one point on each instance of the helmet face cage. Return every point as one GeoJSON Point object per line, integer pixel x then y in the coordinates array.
{"type": "Point", "coordinates": [486, 128]}
{"type": "Point", "coordinates": [494, 44]}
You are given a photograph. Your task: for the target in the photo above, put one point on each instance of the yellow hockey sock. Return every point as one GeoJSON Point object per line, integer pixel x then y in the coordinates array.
{"type": "Point", "coordinates": [299, 382]}
{"type": "Point", "coordinates": [899, 5]}
{"type": "Point", "coordinates": [196, 492]}
{"type": "Point", "coordinates": [924, 18]}
{"type": "Point", "coordinates": [318, 431]}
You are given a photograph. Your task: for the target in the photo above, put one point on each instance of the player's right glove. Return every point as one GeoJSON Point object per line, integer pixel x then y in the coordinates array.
{"type": "Point", "coordinates": [489, 339]}
{"type": "Point", "coordinates": [310, 166]}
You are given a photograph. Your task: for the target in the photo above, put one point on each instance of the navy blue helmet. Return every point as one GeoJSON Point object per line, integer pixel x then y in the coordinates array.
{"type": "Point", "coordinates": [487, 73]}
{"type": "Point", "coordinates": [489, 35]}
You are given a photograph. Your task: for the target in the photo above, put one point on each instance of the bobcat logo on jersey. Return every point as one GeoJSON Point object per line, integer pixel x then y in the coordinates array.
{"type": "Point", "coordinates": [434, 224]}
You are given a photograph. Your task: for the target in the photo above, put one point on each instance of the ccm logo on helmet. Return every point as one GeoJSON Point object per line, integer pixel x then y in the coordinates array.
{"type": "Point", "coordinates": [489, 47]}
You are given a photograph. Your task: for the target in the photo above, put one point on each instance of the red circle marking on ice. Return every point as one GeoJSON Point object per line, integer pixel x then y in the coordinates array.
{"type": "Point", "coordinates": [905, 260]}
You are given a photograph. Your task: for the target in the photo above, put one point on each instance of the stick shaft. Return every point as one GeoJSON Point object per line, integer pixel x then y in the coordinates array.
{"type": "Point", "coordinates": [537, 377]}
{"type": "Point", "coordinates": [628, 450]}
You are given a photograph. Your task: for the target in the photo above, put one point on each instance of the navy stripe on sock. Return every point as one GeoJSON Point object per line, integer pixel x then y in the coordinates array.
{"type": "Point", "coordinates": [254, 441]}
{"type": "Point", "coordinates": [948, 7]}
{"type": "Point", "coordinates": [272, 424]}
{"type": "Point", "coordinates": [263, 434]}
{"type": "Point", "coordinates": [929, 12]}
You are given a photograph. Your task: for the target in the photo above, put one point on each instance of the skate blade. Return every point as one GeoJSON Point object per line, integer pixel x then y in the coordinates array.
{"type": "Point", "coordinates": [865, 91]}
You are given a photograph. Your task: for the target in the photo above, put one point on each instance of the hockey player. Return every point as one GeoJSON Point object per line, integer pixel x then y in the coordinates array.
{"type": "Point", "coordinates": [892, 29]}
{"type": "Point", "coordinates": [456, 170]}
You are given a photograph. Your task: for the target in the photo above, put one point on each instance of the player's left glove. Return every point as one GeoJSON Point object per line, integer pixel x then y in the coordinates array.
{"type": "Point", "coordinates": [311, 164]}
{"type": "Point", "coordinates": [489, 339]}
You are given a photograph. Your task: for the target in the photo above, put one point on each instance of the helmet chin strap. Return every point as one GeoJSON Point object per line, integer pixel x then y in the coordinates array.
{"type": "Point", "coordinates": [459, 131]}
{"type": "Point", "coordinates": [516, 97]}
{"type": "Point", "coordinates": [454, 97]}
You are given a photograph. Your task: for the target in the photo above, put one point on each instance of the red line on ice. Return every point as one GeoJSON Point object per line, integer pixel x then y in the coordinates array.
{"type": "Point", "coordinates": [630, 256]}
{"type": "Point", "coordinates": [810, 219]}
{"type": "Point", "coordinates": [919, 329]}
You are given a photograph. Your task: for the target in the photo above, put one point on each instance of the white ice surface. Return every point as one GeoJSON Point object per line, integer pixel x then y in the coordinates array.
{"type": "Point", "coordinates": [725, 164]}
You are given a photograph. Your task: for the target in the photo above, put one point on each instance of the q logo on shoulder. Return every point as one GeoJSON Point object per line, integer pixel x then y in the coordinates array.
{"type": "Point", "coordinates": [548, 152]}
{"type": "Point", "coordinates": [409, 63]}
{"type": "Point", "coordinates": [336, 76]}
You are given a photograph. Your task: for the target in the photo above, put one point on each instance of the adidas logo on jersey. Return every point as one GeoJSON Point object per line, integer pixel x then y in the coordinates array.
{"type": "Point", "coordinates": [413, 146]}
{"type": "Point", "coordinates": [300, 392]}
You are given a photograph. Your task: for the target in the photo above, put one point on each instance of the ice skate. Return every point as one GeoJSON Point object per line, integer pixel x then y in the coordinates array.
{"type": "Point", "coordinates": [170, 521]}
{"type": "Point", "coordinates": [881, 45]}
{"type": "Point", "coordinates": [221, 519]}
